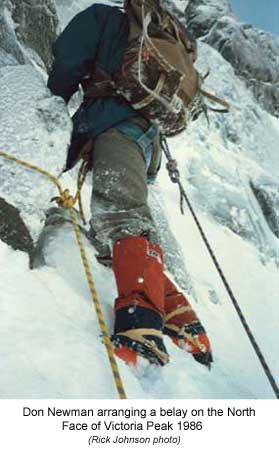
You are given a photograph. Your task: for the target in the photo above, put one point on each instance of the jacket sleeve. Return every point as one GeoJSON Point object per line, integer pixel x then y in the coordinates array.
{"type": "Point", "coordinates": [75, 50]}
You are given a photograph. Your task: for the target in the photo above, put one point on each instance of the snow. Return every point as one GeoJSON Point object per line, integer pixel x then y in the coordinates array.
{"type": "Point", "coordinates": [51, 340]}
{"type": "Point", "coordinates": [50, 344]}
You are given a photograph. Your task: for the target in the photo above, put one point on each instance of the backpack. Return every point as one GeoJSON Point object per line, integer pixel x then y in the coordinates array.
{"type": "Point", "coordinates": [157, 75]}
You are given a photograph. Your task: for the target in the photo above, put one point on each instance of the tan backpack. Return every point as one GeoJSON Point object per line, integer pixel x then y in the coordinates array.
{"type": "Point", "coordinates": [157, 75]}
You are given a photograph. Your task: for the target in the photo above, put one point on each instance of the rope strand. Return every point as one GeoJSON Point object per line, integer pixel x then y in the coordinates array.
{"type": "Point", "coordinates": [91, 285]}
{"type": "Point", "coordinates": [65, 200]}
{"type": "Point", "coordinates": [176, 179]}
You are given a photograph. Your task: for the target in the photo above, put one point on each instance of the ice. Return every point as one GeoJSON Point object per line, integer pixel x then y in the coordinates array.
{"type": "Point", "coordinates": [50, 344]}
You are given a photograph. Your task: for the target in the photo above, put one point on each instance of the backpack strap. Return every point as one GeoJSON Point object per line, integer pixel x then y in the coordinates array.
{"type": "Point", "coordinates": [100, 84]}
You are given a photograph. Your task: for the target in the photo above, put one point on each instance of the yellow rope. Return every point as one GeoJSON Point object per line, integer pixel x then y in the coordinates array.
{"type": "Point", "coordinates": [67, 201]}
{"type": "Point", "coordinates": [81, 179]}
{"type": "Point", "coordinates": [33, 167]}
{"type": "Point", "coordinates": [97, 305]}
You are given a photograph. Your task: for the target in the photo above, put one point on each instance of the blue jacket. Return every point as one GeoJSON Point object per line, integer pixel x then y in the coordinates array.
{"type": "Point", "coordinates": [97, 35]}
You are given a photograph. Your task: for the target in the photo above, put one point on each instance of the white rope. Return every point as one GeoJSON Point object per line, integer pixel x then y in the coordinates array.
{"type": "Point", "coordinates": [145, 23]}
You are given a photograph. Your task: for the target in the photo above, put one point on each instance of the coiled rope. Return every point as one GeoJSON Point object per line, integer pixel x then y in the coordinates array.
{"type": "Point", "coordinates": [65, 200]}
{"type": "Point", "coordinates": [175, 178]}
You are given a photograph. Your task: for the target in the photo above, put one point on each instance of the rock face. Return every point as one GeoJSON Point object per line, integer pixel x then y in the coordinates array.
{"type": "Point", "coordinates": [253, 53]}
{"type": "Point", "coordinates": [224, 159]}
{"type": "Point", "coordinates": [13, 230]}
{"type": "Point", "coordinates": [27, 31]}
{"type": "Point", "coordinates": [11, 52]}
{"type": "Point", "coordinates": [267, 195]}
{"type": "Point", "coordinates": [33, 23]}
{"type": "Point", "coordinates": [201, 15]}
{"type": "Point", "coordinates": [177, 7]}
{"type": "Point", "coordinates": [35, 128]}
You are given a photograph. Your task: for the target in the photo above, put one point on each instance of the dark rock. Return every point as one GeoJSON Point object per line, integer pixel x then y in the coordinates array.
{"type": "Point", "coordinates": [253, 53]}
{"type": "Point", "coordinates": [36, 25]}
{"type": "Point", "coordinates": [201, 15]}
{"type": "Point", "coordinates": [268, 199]}
{"type": "Point", "coordinates": [10, 50]}
{"type": "Point", "coordinates": [176, 9]}
{"type": "Point", "coordinates": [13, 230]}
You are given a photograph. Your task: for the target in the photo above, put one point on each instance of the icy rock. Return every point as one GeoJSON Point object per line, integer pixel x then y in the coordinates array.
{"type": "Point", "coordinates": [176, 7]}
{"type": "Point", "coordinates": [202, 14]}
{"type": "Point", "coordinates": [7, 59]}
{"type": "Point", "coordinates": [35, 128]}
{"type": "Point", "coordinates": [221, 158]}
{"type": "Point", "coordinates": [11, 52]}
{"type": "Point", "coordinates": [252, 52]}
{"type": "Point", "coordinates": [67, 9]}
{"type": "Point", "coordinates": [28, 24]}
{"type": "Point", "coordinates": [267, 194]}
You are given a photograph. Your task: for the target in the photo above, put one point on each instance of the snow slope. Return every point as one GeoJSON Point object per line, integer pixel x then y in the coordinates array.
{"type": "Point", "coordinates": [50, 345]}
{"type": "Point", "coordinates": [50, 340]}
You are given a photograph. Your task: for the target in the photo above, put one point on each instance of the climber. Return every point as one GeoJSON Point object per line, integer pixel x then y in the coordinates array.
{"type": "Point", "coordinates": [123, 148]}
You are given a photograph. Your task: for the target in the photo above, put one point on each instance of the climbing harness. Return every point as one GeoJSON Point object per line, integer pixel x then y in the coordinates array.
{"type": "Point", "coordinates": [65, 200]}
{"type": "Point", "coordinates": [175, 178]}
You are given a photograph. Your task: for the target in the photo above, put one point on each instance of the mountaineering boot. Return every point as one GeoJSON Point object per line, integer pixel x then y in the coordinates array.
{"type": "Point", "coordinates": [182, 325]}
{"type": "Point", "coordinates": [139, 308]}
